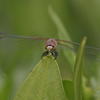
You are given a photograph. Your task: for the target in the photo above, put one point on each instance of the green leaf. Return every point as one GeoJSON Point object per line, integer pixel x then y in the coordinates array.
{"type": "Point", "coordinates": [43, 83]}
{"type": "Point", "coordinates": [78, 71]}
{"type": "Point", "coordinates": [69, 89]}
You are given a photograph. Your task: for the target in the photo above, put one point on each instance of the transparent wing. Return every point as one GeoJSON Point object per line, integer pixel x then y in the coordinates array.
{"type": "Point", "coordinates": [5, 35]}
{"type": "Point", "coordinates": [91, 52]}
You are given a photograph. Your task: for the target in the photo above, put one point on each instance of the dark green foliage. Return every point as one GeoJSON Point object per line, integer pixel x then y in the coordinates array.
{"type": "Point", "coordinates": [78, 71]}
{"type": "Point", "coordinates": [69, 89]}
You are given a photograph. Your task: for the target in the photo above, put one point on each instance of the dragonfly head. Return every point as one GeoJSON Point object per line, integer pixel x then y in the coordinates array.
{"type": "Point", "coordinates": [51, 44]}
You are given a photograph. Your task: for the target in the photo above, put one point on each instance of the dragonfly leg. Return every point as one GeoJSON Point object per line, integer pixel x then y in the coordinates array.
{"type": "Point", "coordinates": [45, 54]}
{"type": "Point", "coordinates": [54, 54]}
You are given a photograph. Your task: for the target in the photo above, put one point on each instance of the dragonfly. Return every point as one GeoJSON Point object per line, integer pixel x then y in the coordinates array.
{"type": "Point", "coordinates": [52, 43]}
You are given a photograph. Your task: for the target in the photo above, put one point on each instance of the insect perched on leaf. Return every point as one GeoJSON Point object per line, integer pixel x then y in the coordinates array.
{"type": "Point", "coordinates": [50, 47]}
{"type": "Point", "coordinates": [51, 44]}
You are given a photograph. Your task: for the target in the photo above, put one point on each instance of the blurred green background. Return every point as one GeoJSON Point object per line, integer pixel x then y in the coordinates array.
{"type": "Point", "coordinates": [32, 17]}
